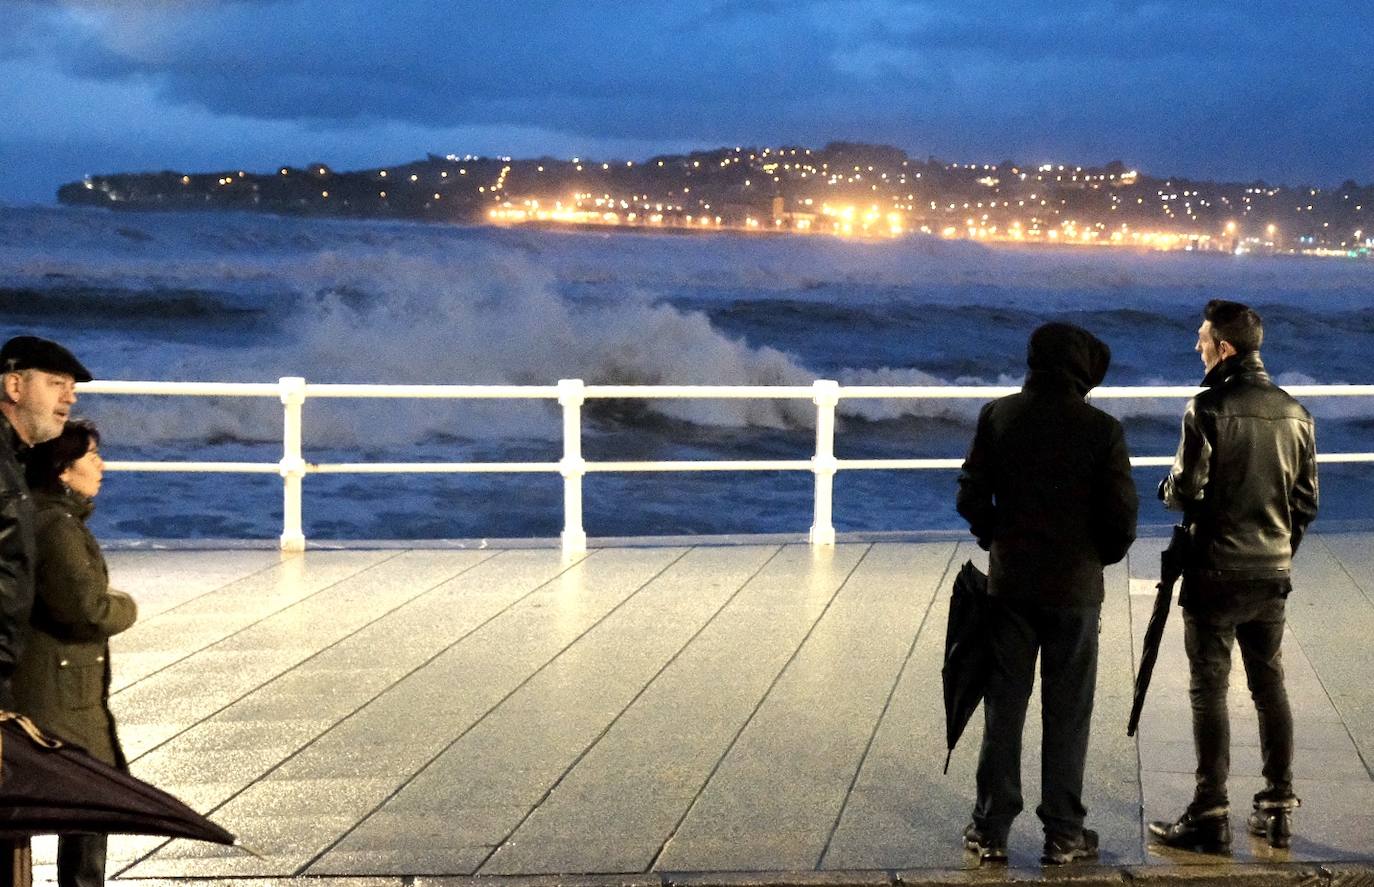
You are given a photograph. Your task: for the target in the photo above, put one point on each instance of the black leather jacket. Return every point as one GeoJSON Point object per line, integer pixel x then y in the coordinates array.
{"type": "Point", "coordinates": [16, 550]}
{"type": "Point", "coordinates": [1245, 475]}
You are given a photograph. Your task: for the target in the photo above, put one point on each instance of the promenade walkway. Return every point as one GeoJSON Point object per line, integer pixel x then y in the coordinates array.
{"type": "Point", "coordinates": [672, 713]}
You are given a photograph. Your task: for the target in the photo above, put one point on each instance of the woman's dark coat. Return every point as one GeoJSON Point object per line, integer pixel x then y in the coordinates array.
{"type": "Point", "coordinates": [63, 678]}
{"type": "Point", "coordinates": [1047, 486]}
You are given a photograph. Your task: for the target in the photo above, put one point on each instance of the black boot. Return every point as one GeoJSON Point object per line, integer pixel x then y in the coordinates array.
{"type": "Point", "coordinates": [1272, 818]}
{"type": "Point", "coordinates": [1207, 830]}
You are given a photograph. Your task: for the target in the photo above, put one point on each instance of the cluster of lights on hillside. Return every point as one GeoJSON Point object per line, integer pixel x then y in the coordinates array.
{"type": "Point", "coordinates": [815, 215]}
{"type": "Point", "coordinates": [844, 190]}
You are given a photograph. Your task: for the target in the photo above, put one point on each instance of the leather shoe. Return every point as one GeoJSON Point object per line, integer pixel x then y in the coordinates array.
{"type": "Point", "coordinates": [1209, 831]}
{"type": "Point", "coordinates": [989, 849]}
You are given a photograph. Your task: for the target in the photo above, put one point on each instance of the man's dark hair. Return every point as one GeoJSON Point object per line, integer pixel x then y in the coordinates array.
{"type": "Point", "coordinates": [49, 459]}
{"type": "Point", "coordinates": [1236, 323]}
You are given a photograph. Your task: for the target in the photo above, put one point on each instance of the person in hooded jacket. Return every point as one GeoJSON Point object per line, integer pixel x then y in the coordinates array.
{"type": "Point", "coordinates": [62, 681]}
{"type": "Point", "coordinates": [1047, 491]}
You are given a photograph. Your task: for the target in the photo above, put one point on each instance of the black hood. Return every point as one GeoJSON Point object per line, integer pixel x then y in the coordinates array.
{"type": "Point", "coordinates": [1061, 355]}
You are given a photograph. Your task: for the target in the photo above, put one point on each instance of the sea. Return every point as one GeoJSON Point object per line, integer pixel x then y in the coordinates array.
{"type": "Point", "coordinates": [251, 298]}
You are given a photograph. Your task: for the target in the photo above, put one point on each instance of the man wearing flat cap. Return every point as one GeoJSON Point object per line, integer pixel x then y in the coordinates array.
{"type": "Point", "coordinates": [39, 387]}
{"type": "Point", "coordinates": [39, 382]}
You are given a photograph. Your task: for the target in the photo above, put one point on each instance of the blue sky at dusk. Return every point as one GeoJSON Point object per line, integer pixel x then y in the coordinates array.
{"type": "Point", "coordinates": [1226, 90]}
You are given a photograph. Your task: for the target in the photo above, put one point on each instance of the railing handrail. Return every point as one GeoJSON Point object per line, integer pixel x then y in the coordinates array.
{"type": "Point", "coordinates": [654, 392]}
{"type": "Point", "coordinates": [571, 394]}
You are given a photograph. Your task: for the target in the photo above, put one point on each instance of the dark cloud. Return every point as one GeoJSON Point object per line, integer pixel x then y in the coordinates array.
{"type": "Point", "coordinates": [1169, 84]}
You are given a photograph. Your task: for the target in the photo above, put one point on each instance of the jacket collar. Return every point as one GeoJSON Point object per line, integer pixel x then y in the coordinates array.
{"type": "Point", "coordinates": [1248, 364]}
{"type": "Point", "coordinates": [10, 437]}
{"type": "Point", "coordinates": [79, 506]}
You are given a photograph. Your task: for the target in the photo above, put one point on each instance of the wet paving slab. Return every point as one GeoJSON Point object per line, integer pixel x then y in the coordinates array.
{"type": "Point", "coordinates": [763, 713]}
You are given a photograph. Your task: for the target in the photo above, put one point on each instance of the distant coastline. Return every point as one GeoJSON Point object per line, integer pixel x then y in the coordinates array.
{"type": "Point", "coordinates": [844, 189]}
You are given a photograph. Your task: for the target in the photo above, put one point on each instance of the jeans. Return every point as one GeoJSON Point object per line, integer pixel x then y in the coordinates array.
{"type": "Point", "coordinates": [1208, 637]}
{"type": "Point", "coordinates": [1066, 640]}
{"type": "Point", "coordinates": [81, 860]}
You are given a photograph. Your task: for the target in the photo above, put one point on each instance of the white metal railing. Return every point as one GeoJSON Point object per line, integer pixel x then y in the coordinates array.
{"type": "Point", "coordinates": [571, 394]}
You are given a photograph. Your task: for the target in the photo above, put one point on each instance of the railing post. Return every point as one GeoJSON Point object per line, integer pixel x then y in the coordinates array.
{"type": "Point", "coordinates": [823, 464]}
{"type": "Point", "coordinates": [571, 396]}
{"type": "Point", "coordinates": [292, 463]}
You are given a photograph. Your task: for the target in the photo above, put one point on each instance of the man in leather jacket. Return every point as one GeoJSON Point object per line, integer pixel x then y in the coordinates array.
{"type": "Point", "coordinates": [1245, 478]}
{"type": "Point", "coordinates": [37, 389]}
{"type": "Point", "coordinates": [39, 379]}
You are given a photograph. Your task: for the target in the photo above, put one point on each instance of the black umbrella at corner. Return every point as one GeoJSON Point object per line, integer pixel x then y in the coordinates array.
{"type": "Point", "coordinates": [1171, 563]}
{"type": "Point", "coordinates": [965, 672]}
{"type": "Point", "coordinates": [49, 787]}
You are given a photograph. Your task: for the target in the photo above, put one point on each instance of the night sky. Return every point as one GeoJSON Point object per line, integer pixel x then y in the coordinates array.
{"type": "Point", "coordinates": [1224, 90]}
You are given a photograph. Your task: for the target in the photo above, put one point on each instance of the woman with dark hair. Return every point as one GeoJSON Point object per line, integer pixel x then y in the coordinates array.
{"type": "Point", "coordinates": [62, 680]}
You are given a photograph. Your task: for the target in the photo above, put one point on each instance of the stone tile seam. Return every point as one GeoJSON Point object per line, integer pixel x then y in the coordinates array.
{"type": "Point", "coordinates": [279, 764]}
{"type": "Point", "coordinates": [715, 768]}
{"type": "Point", "coordinates": [258, 573]}
{"type": "Point", "coordinates": [1142, 836]}
{"type": "Point", "coordinates": [630, 704]}
{"type": "Point", "coordinates": [301, 869]}
{"type": "Point", "coordinates": [1321, 682]}
{"type": "Point", "coordinates": [319, 652]}
{"type": "Point", "coordinates": [252, 574]}
{"type": "Point", "coordinates": [256, 622]}
{"type": "Point", "coordinates": [887, 703]}
{"type": "Point", "coordinates": [1345, 569]}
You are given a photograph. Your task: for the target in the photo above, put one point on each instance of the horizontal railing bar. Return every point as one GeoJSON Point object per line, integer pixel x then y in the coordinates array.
{"type": "Point", "coordinates": [228, 467]}
{"type": "Point", "coordinates": [1329, 390]}
{"type": "Point", "coordinates": [1108, 392]}
{"type": "Point", "coordinates": [727, 392]}
{"type": "Point", "coordinates": [723, 465]}
{"type": "Point", "coordinates": [651, 392]}
{"type": "Point", "coordinates": [190, 389]}
{"type": "Point", "coordinates": [462, 392]}
{"type": "Point", "coordinates": [433, 468]}
{"type": "Point", "coordinates": [888, 464]}
{"type": "Point", "coordinates": [938, 392]}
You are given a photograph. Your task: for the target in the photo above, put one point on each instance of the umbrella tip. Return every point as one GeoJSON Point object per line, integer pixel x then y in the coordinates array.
{"type": "Point", "coordinates": [249, 850]}
{"type": "Point", "coordinates": [949, 754]}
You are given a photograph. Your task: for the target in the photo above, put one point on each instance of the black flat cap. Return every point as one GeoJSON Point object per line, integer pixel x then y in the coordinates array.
{"type": "Point", "coordinates": [33, 353]}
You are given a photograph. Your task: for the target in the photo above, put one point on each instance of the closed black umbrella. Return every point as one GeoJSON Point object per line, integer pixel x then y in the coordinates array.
{"type": "Point", "coordinates": [965, 672]}
{"type": "Point", "coordinates": [1171, 563]}
{"type": "Point", "coordinates": [48, 787]}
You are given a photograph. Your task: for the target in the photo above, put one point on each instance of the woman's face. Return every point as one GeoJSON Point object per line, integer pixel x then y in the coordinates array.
{"type": "Point", "coordinates": [83, 476]}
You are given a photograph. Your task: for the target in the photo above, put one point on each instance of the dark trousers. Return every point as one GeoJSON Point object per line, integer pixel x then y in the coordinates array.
{"type": "Point", "coordinates": [16, 863]}
{"type": "Point", "coordinates": [1066, 640]}
{"type": "Point", "coordinates": [81, 860]}
{"type": "Point", "coordinates": [1208, 637]}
